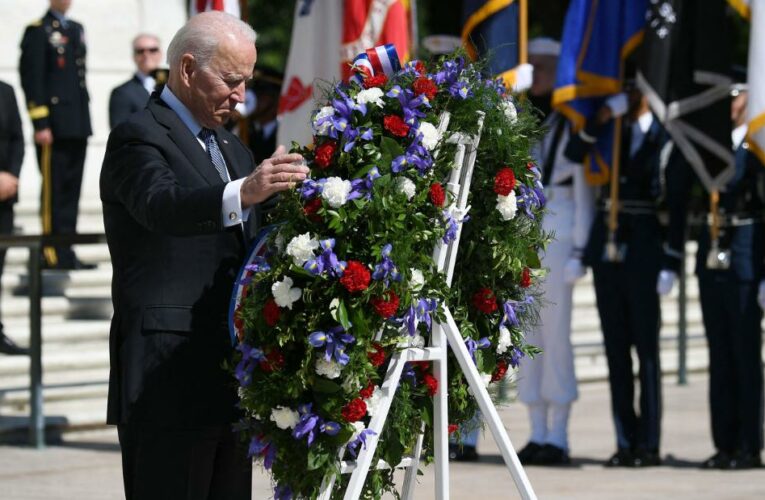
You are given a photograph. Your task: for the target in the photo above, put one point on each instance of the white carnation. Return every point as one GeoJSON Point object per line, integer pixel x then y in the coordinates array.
{"type": "Point", "coordinates": [358, 428]}
{"type": "Point", "coordinates": [504, 341]}
{"type": "Point", "coordinates": [429, 135]}
{"type": "Point", "coordinates": [301, 248]}
{"type": "Point", "coordinates": [507, 205]}
{"type": "Point", "coordinates": [373, 401]}
{"type": "Point", "coordinates": [324, 112]}
{"type": "Point", "coordinates": [417, 281]}
{"type": "Point", "coordinates": [373, 95]}
{"type": "Point", "coordinates": [336, 191]}
{"type": "Point", "coordinates": [351, 384]}
{"type": "Point", "coordinates": [284, 294]}
{"type": "Point", "coordinates": [509, 109]}
{"type": "Point", "coordinates": [406, 186]}
{"type": "Point", "coordinates": [329, 369]}
{"type": "Point", "coordinates": [285, 418]}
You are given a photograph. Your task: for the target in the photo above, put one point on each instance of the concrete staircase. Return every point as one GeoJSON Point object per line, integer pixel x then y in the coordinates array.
{"type": "Point", "coordinates": [76, 333]}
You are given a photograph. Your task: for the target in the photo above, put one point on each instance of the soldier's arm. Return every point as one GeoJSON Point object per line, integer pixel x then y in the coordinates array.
{"type": "Point", "coordinates": [33, 75]}
{"type": "Point", "coordinates": [16, 139]}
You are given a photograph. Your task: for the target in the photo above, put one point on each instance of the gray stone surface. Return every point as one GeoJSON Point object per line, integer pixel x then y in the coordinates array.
{"type": "Point", "coordinates": [87, 465]}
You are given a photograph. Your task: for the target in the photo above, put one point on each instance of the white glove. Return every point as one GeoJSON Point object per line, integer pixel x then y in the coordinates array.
{"type": "Point", "coordinates": [573, 270]}
{"type": "Point", "coordinates": [666, 282]}
{"type": "Point", "coordinates": [761, 295]}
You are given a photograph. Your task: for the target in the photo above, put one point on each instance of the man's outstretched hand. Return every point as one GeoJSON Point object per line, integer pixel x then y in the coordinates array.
{"type": "Point", "coordinates": [278, 173]}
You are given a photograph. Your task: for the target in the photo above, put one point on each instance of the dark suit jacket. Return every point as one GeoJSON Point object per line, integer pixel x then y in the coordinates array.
{"type": "Point", "coordinates": [52, 69]}
{"type": "Point", "coordinates": [174, 268]}
{"type": "Point", "coordinates": [125, 100]}
{"type": "Point", "coordinates": [11, 135]}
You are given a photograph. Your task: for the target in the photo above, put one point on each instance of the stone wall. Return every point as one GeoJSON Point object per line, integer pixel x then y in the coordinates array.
{"type": "Point", "coordinates": [110, 25]}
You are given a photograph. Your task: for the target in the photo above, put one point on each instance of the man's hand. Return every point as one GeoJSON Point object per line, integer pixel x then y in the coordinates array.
{"type": "Point", "coordinates": [44, 137]}
{"type": "Point", "coordinates": [278, 173]}
{"type": "Point", "coordinates": [9, 186]}
{"type": "Point", "coordinates": [666, 282]}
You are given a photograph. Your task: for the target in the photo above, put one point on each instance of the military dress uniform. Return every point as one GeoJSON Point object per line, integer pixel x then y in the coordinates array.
{"type": "Point", "coordinates": [52, 68]}
{"type": "Point", "coordinates": [625, 289]}
{"type": "Point", "coordinates": [732, 315]}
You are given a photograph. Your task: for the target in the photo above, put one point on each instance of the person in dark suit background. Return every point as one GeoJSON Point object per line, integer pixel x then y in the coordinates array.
{"type": "Point", "coordinates": [180, 195]}
{"type": "Point", "coordinates": [11, 157]}
{"type": "Point", "coordinates": [625, 282]}
{"type": "Point", "coordinates": [266, 86]}
{"type": "Point", "coordinates": [133, 95]}
{"type": "Point", "coordinates": [52, 69]}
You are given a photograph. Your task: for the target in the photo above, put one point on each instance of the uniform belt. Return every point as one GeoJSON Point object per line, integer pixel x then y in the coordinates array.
{"type": "Point", "coordinates": [736, 220]}
{"type": "Point", "coordinates": [631, 207]}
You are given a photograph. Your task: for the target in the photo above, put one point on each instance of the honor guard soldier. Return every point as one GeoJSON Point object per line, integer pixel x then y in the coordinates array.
{"type": "Point", "coordinates": [624, 251]}
{"type": "Point", "coordinates": [52, 68]}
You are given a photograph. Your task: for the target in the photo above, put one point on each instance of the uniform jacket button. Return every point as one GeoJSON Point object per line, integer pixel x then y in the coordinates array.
{"type": "Point", "coordinates": [54, 100]}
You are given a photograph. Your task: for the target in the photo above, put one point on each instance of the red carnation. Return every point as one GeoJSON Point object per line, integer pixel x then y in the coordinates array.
{"type": "Point", "coordinates": [419, 67]}
{"type": "Point", "coordinates": [500, 371]}
{"type": "Point", "coordinates": [530, 165]}
{"type": "Point", "coordinates": [526, 277]}
{"type": "Point", "coordinates": [426, 86]}
{"type": "Point", "coordinates": [310, 209]}
{"type": "Point", "coordinates": [274, 361]}
{"type": "Point", "coordinates": [271, 312]}
{"type": "Point", "coordinates": [422, 365]}
{"type": "Point", "coordinates": [432, 384]}
{"type": "Point", "coordinates": [437, 194]}
{"type": "Point", "coordinates": [355, 277]}
{"type": "Point", "coordinates": [485, 301]}
{"type": "Point", "coordinates": [504, 181]}
{"type": "Point", "coordinates": [386, 307]}
{"type": "Point", "coordinates": [377, 358]}
{"type": "Point", "coordinates": [453, 428]}
{"type": "Point", "coordinates": [324, 154]}
{"type": "Point", "coordinates": [375, 81]}
{"type": "Point", "coordinates": [354, 411]}
{"type": "Point", "coordinates": [367, 391]}
{"type": "Point", "coordinates": [396, 125]}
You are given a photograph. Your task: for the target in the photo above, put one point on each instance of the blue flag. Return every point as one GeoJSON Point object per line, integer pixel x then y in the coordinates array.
{"type": "Point", "coordinates": [497, 29]}
{"type": "Point", "coordinates": [598, 35]}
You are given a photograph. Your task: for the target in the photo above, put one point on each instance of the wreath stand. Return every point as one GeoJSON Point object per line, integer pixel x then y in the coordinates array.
{"type": "Point", "coordinates": [443, 336]}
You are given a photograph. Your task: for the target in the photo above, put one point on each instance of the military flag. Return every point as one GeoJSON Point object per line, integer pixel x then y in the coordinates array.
{"type": "Point", "coordinates": [754, 10]}
{"type": "Point", "coordinates": [498, 29]}
{"type": "Point", "coordinates": [597, 38]}
{"type": "Point", "coordinates": [230, 6]}
{"type": "Point", "coordinates": [326, 36]}
{"type": "Point", "coordinates": [685, 75]}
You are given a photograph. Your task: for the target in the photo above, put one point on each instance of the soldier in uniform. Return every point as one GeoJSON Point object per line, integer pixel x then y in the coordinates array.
{"type": "Point", "coordinates": [625, 280]}
{"type": "Point", "coordinates": [52, 71]}
{"type": "Point", "coordinates": [133, 95]}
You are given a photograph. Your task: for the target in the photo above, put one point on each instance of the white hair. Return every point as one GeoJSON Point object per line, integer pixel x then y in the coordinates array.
{"type": "Point", "coordinates": [202, 34]}
{"type": "Point", "coordinates": [146, 35]}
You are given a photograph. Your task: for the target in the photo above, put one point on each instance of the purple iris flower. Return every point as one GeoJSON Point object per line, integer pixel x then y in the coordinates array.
{"type": "Point", "coordinates": [282, 493]}
{"type": "Point", "coordinates": [497, 85]}
{"type": "Point", "coordinates": [409, 374]}
{"type": "Point", "coordinates": [515, 356]}
{"type": "Point", "coordinates": [386, 270]}
{"type": "Point", "coordinates": [310, 188]}
{"type": "Point", "coordinates": [472, 345]}
{"type": "Point", "coordinates": [334, 342]}
{"type": "Point", "coordinates": [450, 71]}
{"type": "Point", "coordinates": [311, 424]}
{"type": "Point", "coordinates": [360, 442]}
{"type": "Point", "coordinates": [250, 357]}
{"type": "Point", "coordinates": [326, 261]}
{"type": "Point", "coordinates": [452, 225]}
{"type": "Point", "coordinates": [529, 200]}
{"type": "Point", "coordinates": [258, 265]}
{"type": "Point", "coordinates": [460, 89]}
{"type": "Point", "coordinates": [261, 447]}
{"type": "Point", "coordinates": [511, 309]}
{"type": "Point", "coordinates": [420, 312]}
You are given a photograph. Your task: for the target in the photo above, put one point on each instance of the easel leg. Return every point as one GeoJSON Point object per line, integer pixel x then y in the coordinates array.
{"type": "Point", "coordinates": [441, 417]}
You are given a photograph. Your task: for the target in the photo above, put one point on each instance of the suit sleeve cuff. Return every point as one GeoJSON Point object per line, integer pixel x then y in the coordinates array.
{"type": "Point", "coordinates": [232, 213]}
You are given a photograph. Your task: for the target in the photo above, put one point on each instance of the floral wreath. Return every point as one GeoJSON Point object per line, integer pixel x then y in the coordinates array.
{"type": "Point", "coordinates": [347, 277]}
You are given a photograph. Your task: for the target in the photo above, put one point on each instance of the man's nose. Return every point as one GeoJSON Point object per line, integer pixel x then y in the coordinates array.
{"type": "Point", "coordinates": [238, 94]}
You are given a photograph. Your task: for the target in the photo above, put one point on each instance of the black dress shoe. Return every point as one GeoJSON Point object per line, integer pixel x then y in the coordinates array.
{"type": "Point", "coordinates": [527, 454]}
{"type": "Point", "coordinates": [646, 458]}
{"type": "Point", "coordinates": [462, 453]}
{"type": "Point", "coordinates": [79, 265]}
{"type": "Point", "coordinates": [8, 346]}
{"type": "Point", "coordinates": [745, 460]}
{"type": "Point", "coordinates": [551, 455]}
{"type": "Point", "coordinates": [720, 460]}
{"type": "Point", "coordinates": [622, 458]}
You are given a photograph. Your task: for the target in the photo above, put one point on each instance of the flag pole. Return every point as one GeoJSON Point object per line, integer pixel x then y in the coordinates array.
{"type": "Point", "coordinates": [244, 129]}
{"type": "Point", "coordinates": [612, 249]}
{"type": "Point", "coordinates": [414, 30]}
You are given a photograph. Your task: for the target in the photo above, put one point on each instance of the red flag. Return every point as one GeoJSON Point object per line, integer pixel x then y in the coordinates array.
{"type": "Point", "coordinates": [230, 6]}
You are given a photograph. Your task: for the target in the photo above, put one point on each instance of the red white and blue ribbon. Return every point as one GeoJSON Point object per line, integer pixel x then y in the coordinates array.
{"type": "Point", "coordinates": [258, 249]}
{"type": "Point", "coordinates": [382, 59]}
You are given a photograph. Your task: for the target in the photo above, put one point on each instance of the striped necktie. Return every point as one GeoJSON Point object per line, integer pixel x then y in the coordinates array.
{"type": "Point", "coordinates": [214, 153]}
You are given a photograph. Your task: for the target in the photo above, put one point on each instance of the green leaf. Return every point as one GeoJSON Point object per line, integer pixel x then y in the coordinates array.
{"type": "Point", "coordinates": [363, 171]}
{"type": "Point", "coordinates": [342, 315]}
{"type": "Point", "coordinates": [325, 386]}
{"type": "Point", "coordinates": [389, 147]}
{"type": "Point", "coordinates": [316, 458]}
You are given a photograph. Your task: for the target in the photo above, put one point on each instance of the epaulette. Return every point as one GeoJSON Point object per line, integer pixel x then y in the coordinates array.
{"type": "Point", "coordinates": [35, 24]}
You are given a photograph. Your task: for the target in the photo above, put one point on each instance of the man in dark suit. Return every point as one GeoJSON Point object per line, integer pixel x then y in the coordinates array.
{"type": "Point", "coordinates": [132, 95]}
{"type": "Point", "coordinates": [625, 281]}
{"type": "Point", "coordinates": [11, 156]}
{"type": "Point", "coordinates": [177, 224]}
{"type": "Point", "coordinates": [52, 68]}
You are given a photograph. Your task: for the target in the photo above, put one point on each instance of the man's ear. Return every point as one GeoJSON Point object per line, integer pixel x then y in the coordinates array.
{"type": "Point", "coordinates": [187, 68]}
